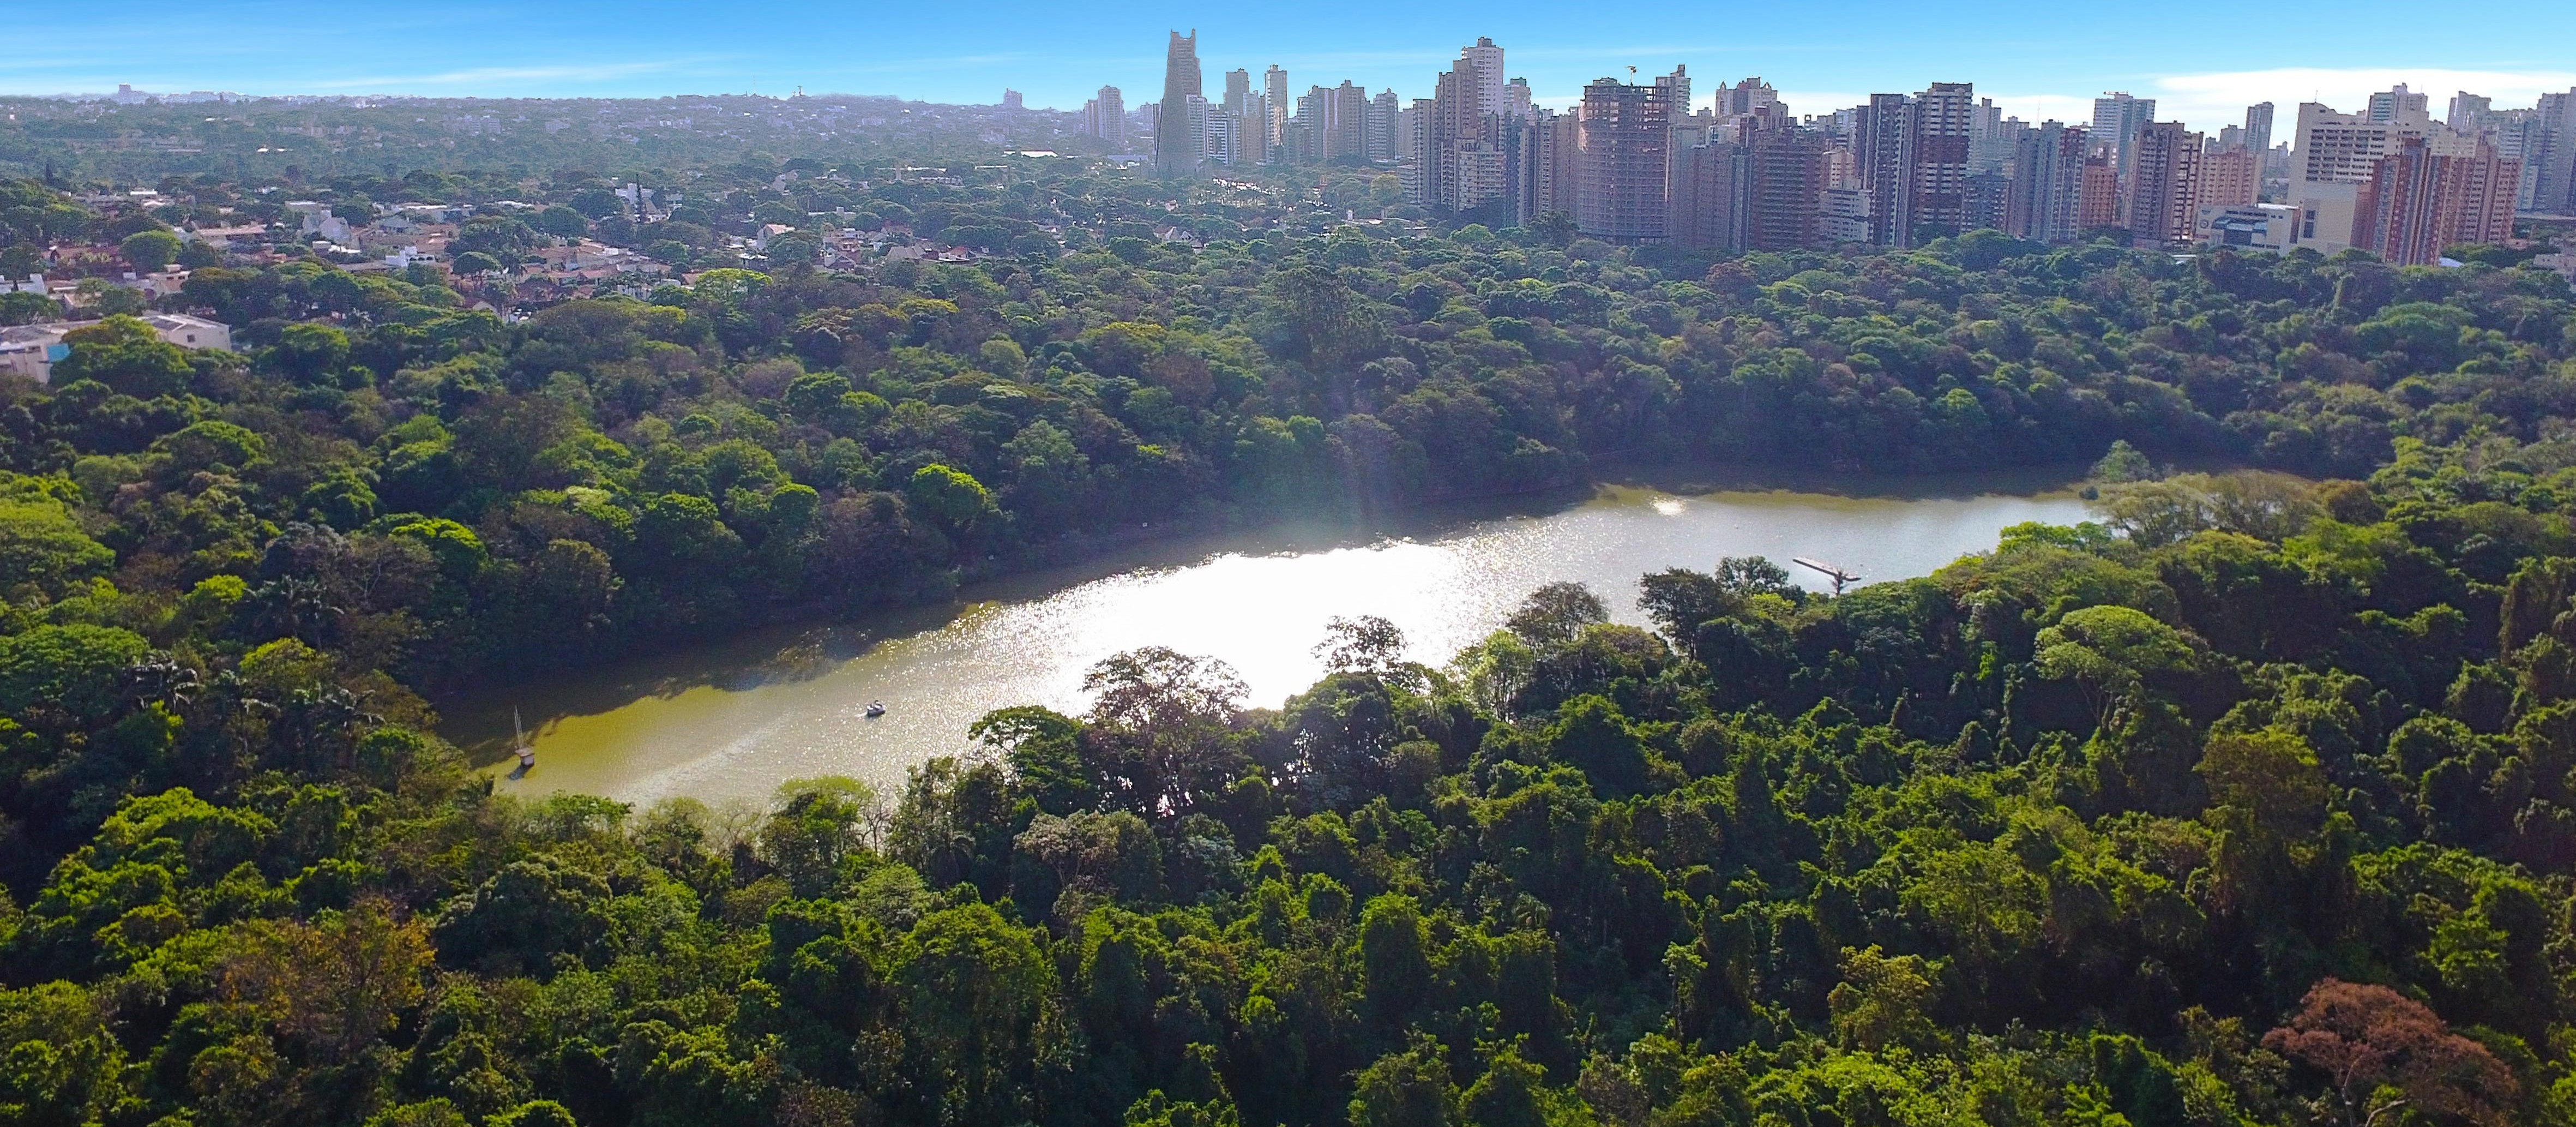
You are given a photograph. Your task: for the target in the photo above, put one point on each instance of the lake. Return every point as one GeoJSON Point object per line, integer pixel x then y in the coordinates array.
{"type": "Point", "coordinates": [736, 719]}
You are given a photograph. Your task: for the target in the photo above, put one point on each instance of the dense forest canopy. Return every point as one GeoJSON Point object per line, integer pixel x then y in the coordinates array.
{"type": "Point", "coordinates": [2251, 805]}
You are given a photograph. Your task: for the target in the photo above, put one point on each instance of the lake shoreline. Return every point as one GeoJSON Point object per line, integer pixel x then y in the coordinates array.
{"type": "Point", "coordinates": [1129, 548]}
{"type": "Point", "coordinates": [1678, 478]}
{"type": "Point", "coordinates": [1606, 534]}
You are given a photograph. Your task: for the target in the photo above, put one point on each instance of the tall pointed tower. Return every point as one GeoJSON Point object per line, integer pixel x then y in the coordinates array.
{"type": "Point", "coordinates": [1177, 144]}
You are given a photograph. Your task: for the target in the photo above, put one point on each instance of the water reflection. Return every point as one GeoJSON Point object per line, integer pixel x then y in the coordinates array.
{"type": "Point", "coordinates": [738, 718]}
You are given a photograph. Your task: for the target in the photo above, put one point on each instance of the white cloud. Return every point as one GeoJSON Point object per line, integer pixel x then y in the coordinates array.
{"type": "Point", "coordinates": [2035, 108]}
{"type": "Point", "coordinates": [2029, 107]}
{"type": "Point", "coordinates": [1806, 102]}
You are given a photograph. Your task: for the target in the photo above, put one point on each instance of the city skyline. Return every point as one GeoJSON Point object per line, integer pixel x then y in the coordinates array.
{"type": "Point", "coordinates": [1639, 162]}
{"type": "Point", "coordinates": [2034, 64]}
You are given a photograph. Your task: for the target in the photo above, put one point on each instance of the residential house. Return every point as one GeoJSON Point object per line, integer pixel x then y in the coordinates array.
{"type": "Point", "coordinates": [32, 350]}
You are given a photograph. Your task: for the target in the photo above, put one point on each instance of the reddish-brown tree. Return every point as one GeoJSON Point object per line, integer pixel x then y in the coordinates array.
{"type": "Point", "coordinates": [2385, 1052]}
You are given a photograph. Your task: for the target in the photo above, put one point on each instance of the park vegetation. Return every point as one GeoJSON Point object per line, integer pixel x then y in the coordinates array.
{"type": "Point", "coordinates": [2253, 804]}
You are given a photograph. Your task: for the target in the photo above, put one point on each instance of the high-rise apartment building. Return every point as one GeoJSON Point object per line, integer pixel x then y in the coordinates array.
{"type": "Point", "coordinates": [2164, 184]}
{"type": "Point", "coordinates": [1880, 167]}
{"type": "Point", "coordinates": [1992, 137]}
{"type": "Point", "coordinates": [1626, 137]}
{"type": "Point", "coordinates": [2336, 148]}
{"type": "Point", "coordinates": [1488, 62]}
{"type": "Point", "coordinates": [2230, 177]}
{"type": "Point", "coordinates": [2519, 138]}
{"type": "Point", "coordinates": [1301, 140]}
{"type": "Point", "coordinates": [1221, 133]}
{"type": "Point", "coordinates": [1439, 122]}
{"type": "Point", "coordinates": [1549, 151]}
{"type": "Point", "coordinates": [2117, 119]}
{"type": "Point", "coordinates": [2045, 200]}
{"type": "Point", "coordinates": [2468, 112]}
{"type": "Point", "coordinates": [1911, 155]}
{"type": "Point", "coordinates": [1247, 118]}
{"type": "Point", "coordinates": [1752, 183]}
{"type": "Point", "coordinates": [1238, 92]}
{"type": "Point", "coordinates": [1011, 101]}
{"type": "Point", "coordinates": [2258, 128]}
{"type": "Point", "coordinates": [1413, 131]}
{"type": "Point", "coordinates": [1105, 117]}
{"type": "Point", "coordinates": [2335, 153]}
{"type": "Point", "coordinates": [2537, 139]}
{"type": "Point", "coordinates": [1253, 126]}
{"type": "Point", "coordinates": [1343, 132]}
{"type": "Point", "coordinates": [1845, 214]}
{"type": "Point", "coordinates": [1676, 91]}
{"type": "Point", "coordinates": [1459, 151]}
{"type": "Point", "coordinates": [2396, 104]}
{"type": "Point", "coordinates": [1750, 96]}
{"type": "Point", "coordinates": [1789, 182]}
{"type": "Point", "coordinates": [2098, 193]}
{"type": "Point", "coordinates": [1380, 143]}
{"type": "Point", "coordinates": [1331, 123]}
{"type": "Point", "coordinates": [1712, 195]}
{"type": "Point", "coordinates": [2419, 201]}
{"type": "Point", "coordinates": [2554, 146]}
{"type": "Point", "coordinates": [1274, 91]}
{"type": "Point", "coordinates": [1202, 120]}
{"type": "Point", "coordinates": [1937, 201]}
{"type": "Point", "coordinates": [1177, 149]}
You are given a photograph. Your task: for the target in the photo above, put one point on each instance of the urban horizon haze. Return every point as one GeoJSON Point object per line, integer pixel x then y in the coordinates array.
{"type": "Point", "coordinates": [2036, 61]}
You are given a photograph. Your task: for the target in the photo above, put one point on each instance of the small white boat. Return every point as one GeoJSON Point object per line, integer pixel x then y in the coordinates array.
{"type": "Point", "coordinates": [875, 709]}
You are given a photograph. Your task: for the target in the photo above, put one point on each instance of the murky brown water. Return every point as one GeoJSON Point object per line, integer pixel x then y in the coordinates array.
{"type": "Point", "coordinates": [738, 719]}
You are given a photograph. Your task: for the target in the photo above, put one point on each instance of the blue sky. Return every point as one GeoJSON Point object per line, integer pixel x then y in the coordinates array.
{"type": "Point", "coordinates": [2204, 60]}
